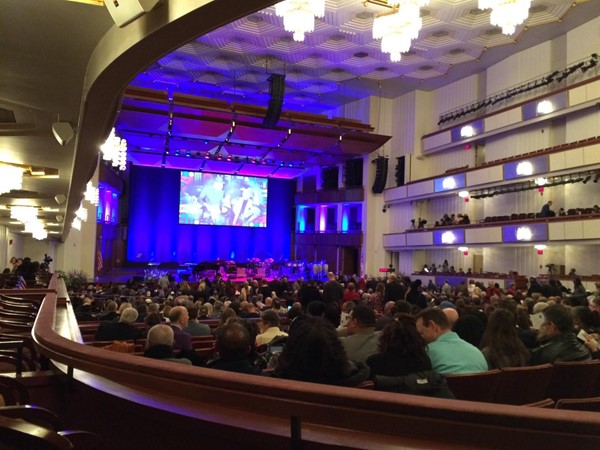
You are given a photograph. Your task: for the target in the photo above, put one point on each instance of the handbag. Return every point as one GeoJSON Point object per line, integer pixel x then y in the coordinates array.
{"type": "Point", "coordinates": [427, 382]}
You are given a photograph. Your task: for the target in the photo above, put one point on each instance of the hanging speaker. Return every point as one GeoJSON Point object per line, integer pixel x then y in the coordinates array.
{"type": "Point", "coordinates": [123, 12]}
{"type": "Point", "coordinates": [381, 168]}
{"type": "Point", "coordinates": [276, 92]}
{"type": "Point", "coordinates": [400, 169]}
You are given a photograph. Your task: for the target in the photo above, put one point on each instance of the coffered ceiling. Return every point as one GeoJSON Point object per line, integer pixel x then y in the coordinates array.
{"type": "Point", "coordinates": [47, 46]}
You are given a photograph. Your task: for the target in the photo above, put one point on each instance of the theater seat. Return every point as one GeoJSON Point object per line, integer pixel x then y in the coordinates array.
{"type": "Point", "coordinates": [523, 385]}
{"type": "Point", "coordinates": [579, 404]}
{"type": "Point", "coordinates": [477, 387]}
{"type": "Point", "coordinates": [574, 379]}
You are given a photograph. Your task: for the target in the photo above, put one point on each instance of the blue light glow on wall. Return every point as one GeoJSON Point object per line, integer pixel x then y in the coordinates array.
{"type": "Point", "coordinates": [155, 235]}
{"type": "Point", "coordinates": [301, 219]}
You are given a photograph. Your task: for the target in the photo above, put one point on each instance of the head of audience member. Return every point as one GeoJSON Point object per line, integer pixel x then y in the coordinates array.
{"type": "Point", "coordinates": [192, 313]}
{"type": "Point", "coordinates": [361, 318]}
{"type": "Point", "coordinates": [557, 321]}
{"type": "Point", "coordinates": [129, 315]}
{"type": "Point", "coordinates": [402, 338]}
{"type": "Point", "coordinates": [594, 303]}
{"type": "Point", "coordinates": [585, 319]}
{"type": "Point", "coordinates": [432, 323]}
{"type": "Point", "coordinates": [470, 328]}
{"type": "Point", "coordinates": [316, 308]}
{"type": "Point", "coordinates": [451, 314]}
{"type": "Point", "coordinates": [233, 341]}
{"type": "Point", "coordinates": [227, 314]}
{"type": "Point", "coordinates": [179, 316]}
{"type": "Point", "coordinates": [152, 319]}
{"type": "Point", "coordinates": [122, 307]}
{"type": "Point", "coordinates": [540, 307]}
{"type": "Point", "coordinates": [160, 335]}
{"type": "Point", "coordinates": [268, 319]}
{"type": "Point", "coordinates": [388, 308]}
{"type": "Point", "coordinates": [402, 306]}
{"type": "Point", "coordinates": [313, 353]}
{"type": "Point", "coordinates": [501, 341]}
{"type": "Point", "coordinates": [111, 306]}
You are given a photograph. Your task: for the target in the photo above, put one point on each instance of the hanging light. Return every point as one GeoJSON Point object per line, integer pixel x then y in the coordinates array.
{"type": "Point", "coordinates": [37, 229]}
{"type": "Point", "coordinates": [115, 150]}
{"type": "Point", "coordinates": [299, 15]}
{"type": "Point", "coordinates": [76, 223]}
{"type": "Point", "coordinates": [82, 213]}
{"type": "Point", "coordinates": [92, 194]}
{"type": "Point", "coordinates": [398, 28]}
{"type": "Point", "coordinates": [507, 14]}
{"type": "Point", "coordinates": [24, 214]}
{"type": "Point", "coordinates": [11, 178]}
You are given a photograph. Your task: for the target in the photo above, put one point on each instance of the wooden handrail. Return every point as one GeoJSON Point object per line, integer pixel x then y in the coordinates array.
{"type": "Point", "coordinates": [326, 414]}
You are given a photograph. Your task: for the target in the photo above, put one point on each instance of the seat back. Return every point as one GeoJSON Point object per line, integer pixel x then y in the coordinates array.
{"type": "Point", "coordinates": [522, 385]}
{"type": "Point", "coordinates": [579, 404]}
{"type": "Point", "coordinates": [477, 387]}
{"type": "Point", "coordinates": [13, 392]}
{"type": "Point", "coordinates": [577, 379]}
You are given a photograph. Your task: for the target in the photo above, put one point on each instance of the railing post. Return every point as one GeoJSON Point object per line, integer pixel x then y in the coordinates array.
{"type": "Point", "coordinates": [296, 433]}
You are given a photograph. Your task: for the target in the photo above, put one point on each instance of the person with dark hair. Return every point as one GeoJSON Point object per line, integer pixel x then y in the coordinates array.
{"type": "Point", "coordinates": [401, 349]}
{"type": "Point", "coordinates": [579, 295]}
{"type": "Point", "coordinates": [394, 290]}
{"type": "Point", "coordinates": [500, 344]}
{"type": "Point", "coordinates": [195, 328]}
{"type": "Point", "coordinates": [362, 338]}
{"type": "Point", "coordinates": [402, 364]}
{"type": "Point", "coordinates": [470, 328]}
{"type": "Point", "coordinates": [449, 354]}
{"type": "Point", "coordinates": [269, 328]}
{"type": "Point", "coordinates": [332, 290]}
{"type": "Point", "coordinates": [414, 296]}
{"type": "Point", "coordinates": [234, 344]}
{"type": "Point", "coordinates": [557, 340]}
{"type": "Point", "coordinates": [546, 211]}
{"type": "Point", "coordinates": [314, 353]}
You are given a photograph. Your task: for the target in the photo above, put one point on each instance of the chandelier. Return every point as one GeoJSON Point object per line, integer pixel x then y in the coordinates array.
{"type": "Point", "coordinates": [507, 14]}
{"type": "Point", "coordinates": [115, 150]}
{"type": "Point", "coordinates": [299, 15]}
{"type": "Point", "coordinates": [91, 194]}
{"type": "Point", "coordinates": [11, 178]}
{"type": "Point", "coordinates": [37, 230]}
{"type": "Point", "coordinates": [398, 28]}
{"type": "Point", "coordinates": [82, 213]}
{"type": "Point", "coordinates": [24, 214]}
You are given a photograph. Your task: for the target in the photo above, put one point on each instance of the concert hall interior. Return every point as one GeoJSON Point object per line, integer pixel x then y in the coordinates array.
{"type": "Point", "coordinates": [200, 137]}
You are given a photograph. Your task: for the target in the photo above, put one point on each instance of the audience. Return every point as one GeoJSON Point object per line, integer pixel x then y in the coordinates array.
{"type": "Point", "coordinates": [500, 344]}
{"type": "Point", "coordinates": [269, 328]}
{"type": "Point", "coordinates": [122, 330]}
{"type": "Point", "coordinates": [234, 345]}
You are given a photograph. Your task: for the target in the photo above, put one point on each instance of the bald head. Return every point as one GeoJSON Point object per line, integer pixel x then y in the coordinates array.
{"type": "Point", "coordinates": [452, 315]}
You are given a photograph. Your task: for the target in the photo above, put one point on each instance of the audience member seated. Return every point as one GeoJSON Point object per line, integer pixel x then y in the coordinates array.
{"type": "Point", "coordinates": [234, 345]}
{"type": "Point", "coordinates": [195, 328]}
{"type": "Point", "coordinates": [178, 319]}
{"type": "Point", "coordinates": [449, 354]}
{"type": "Point", "coordinates": [362, 338]}
{"type": "Point", "coordinates": [85, 311]}
{"type": "Point", "coordinates": [314, 353]}
{"type": "Point", "coordinates": [110, 312]}
{"type": "Point", "coordinates": [269, 328]}
{"type": "Point", "coordinates": [122, 330]}
{"type": "Point", "coordinates": [546, 211]}
{"type": "Point", "coordinates": [159, 344]}
{"type": "Point", "coordinates": [501, 345]}
{"type": "Point", "coordinates": [557, 340]}
{"type": "Point", "coordinates": [402, 364]}
{"type": "Point", "coordinates": [470, 328]}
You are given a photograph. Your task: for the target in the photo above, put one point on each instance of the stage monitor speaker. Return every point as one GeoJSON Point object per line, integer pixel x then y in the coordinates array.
{"type": "Point", "coordinates": [126, 11]}
{"type": "Point", "coordinates": [276, 93]}
{"type": "Point", "coordinates": [381, 169]}
{"type": "Point", "coordinates": [400, 170]}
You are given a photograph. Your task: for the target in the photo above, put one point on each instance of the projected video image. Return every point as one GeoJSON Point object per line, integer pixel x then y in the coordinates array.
{"type": "Point", "coordinates": [217, 199]}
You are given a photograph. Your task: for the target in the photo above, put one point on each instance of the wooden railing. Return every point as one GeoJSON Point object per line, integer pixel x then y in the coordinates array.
{"type": "Point", "coordinates": [305, 415]}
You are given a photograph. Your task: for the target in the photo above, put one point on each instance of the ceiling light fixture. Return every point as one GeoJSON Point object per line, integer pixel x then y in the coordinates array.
{"type": "Point", "coordinates": [115, 150]}
{"type": "Point", "coordinates": [92, 194]}
{"type": "Point", "coordinates": [37, 230]}
{"type": "Point", "coordinates": [399, 27]}
{"type": "Point", "coordinates": [11, 178]}
{"type": "Point", "coordinates": [24, 214]}
{"type": "Point", "coordinates": [507, 14]}
{"type": "Point", "coordinates": [299, 15]}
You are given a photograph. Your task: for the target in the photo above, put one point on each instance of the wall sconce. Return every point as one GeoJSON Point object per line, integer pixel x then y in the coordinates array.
{"type": "Point", "coordinates": [465, 250]}
{"type": "Point", "coordinates": [524, 168]}
{"type": "Point", "coordinates": [448, 238]}
{"type": "Point", "coordinates": [544, 107]}
{"type": "Point", "coordinates": [524, 234]}
{"type": "Point", "coordinates": [464, 194]}
{"type": "Point", "coordinates": [449, 183]}
{"type": "Point", "coordinates": [540, 249]}
{"type": "Point", "coordinates": [467, 131]}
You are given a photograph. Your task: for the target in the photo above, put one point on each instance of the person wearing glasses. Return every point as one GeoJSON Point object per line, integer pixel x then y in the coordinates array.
{"type": "Point", "coordinates": [557, 339]}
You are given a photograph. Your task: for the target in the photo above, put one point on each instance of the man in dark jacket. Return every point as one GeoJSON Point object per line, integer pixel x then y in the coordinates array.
{"type": "Point", "coordinates": [122, 330]}
{"type": "Point", "coordinates": [233, 344]}
{"type": "Point", "coordinates": [394, 290]}
{"type": "Point", "coordinates": [557, 340]}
